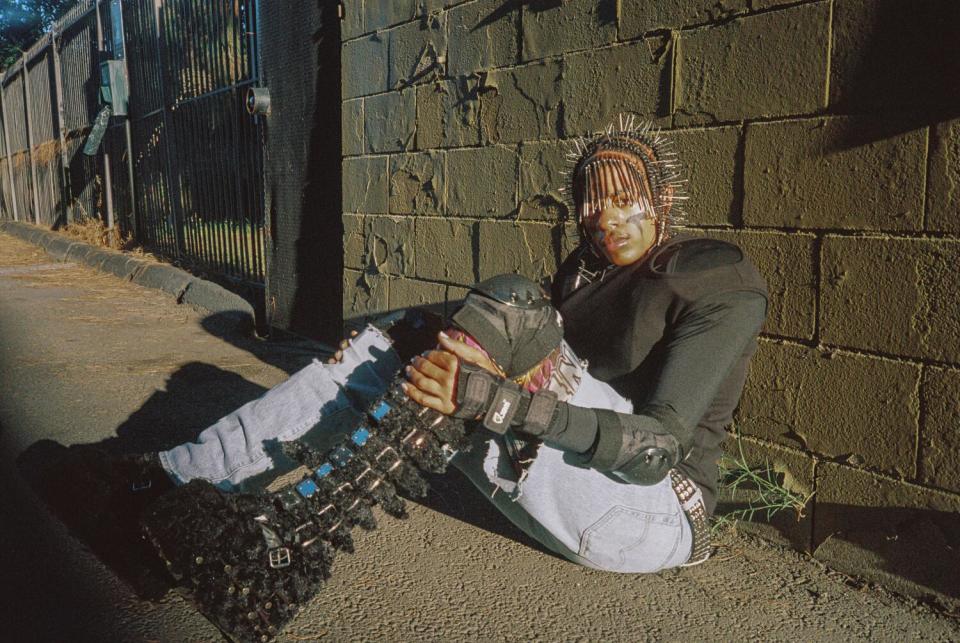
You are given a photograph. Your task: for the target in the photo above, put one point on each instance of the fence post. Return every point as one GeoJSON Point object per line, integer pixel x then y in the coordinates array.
{"type": "Point", "coordinates": [119, 32]}
{"type": "Point", "coordinates": [33, 165]}
{"type": "Point", "coordinates": [6, 144]}
{"type": "Point", "coordinates": [174, 192]}
{"type": "Point", "coordinates": [107, 183]}
{"type": "Point", "coordinates": [61, 121]}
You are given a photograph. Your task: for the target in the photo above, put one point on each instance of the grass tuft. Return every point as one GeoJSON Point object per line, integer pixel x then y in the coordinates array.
{"type": "Point", "coordinates": [767, 492]}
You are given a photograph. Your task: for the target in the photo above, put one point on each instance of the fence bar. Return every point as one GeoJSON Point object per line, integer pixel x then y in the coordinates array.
{"type": "Point", "coordinates": [107, 183]}
{"type": "Point", "coordinates": [172, 184]}
{"type": "Point", "coordinates": [126, 120]}
{"type": "Point", "coordinates": [29, 121]}
{"type": "Point", "coordinates": [61, 116]}
{"type": "Point", "coordinates": [6, 143]}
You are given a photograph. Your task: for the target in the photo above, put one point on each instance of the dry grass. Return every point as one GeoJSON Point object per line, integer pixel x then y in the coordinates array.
{"type": "Point", "coordinates": [92, 231]}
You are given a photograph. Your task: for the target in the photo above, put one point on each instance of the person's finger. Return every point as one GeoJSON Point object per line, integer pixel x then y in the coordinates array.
{"type": "Point", "coordinates": [353, 333]}
{"type": "Point", "coordinates": [426, 384]}
{"type": "Point", "coordinates": [462, 350]}
{"type": "Point", "coordinates": [331, 361]}
{"type": "Point", "coordinates": [424, 399]}
{"type": "Point", "coordinates": [442, 369]}
{"type": "Point", "coordinates": [470, 354]}
{"type": "Point", "coordinates": [344, 344]}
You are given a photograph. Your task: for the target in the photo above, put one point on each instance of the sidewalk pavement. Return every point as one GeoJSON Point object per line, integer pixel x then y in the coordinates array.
{"type": "Point", "coordinates": [86, 357]}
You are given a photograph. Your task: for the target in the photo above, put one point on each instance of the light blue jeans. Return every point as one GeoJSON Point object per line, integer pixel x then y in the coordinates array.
{"type": "Point", "coordinates": [581, 514]}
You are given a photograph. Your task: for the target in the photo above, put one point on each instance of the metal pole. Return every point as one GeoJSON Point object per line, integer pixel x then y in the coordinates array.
{"type": "Point", "coordinates": [119, 32]}
{"type": "Point", "coordinates": [33, 165]}
{"type": "Point", "coordinates": [61, 120]}
{"type": "Point", "coordinates": [174, 193]}
{"type": "Point", "coordinates": [6, 144]}
{"type": "Point", "coordinates": [107, 183]}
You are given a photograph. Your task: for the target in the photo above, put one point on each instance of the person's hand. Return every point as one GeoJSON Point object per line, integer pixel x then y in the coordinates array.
{"type": "Point", "coordinates": [433, 375]}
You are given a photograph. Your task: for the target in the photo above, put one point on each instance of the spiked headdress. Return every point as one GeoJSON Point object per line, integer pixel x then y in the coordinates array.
{"type": "Point", "coordinates": [632, 164]}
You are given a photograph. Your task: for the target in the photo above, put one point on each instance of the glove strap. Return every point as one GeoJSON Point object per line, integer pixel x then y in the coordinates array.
{"type": "Point", "coordinates": [503, 407]}
{"type": "Point", "coordinates": [474, 389]}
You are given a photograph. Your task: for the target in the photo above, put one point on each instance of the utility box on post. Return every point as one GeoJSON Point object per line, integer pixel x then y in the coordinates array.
{"type": "Point", "coordinates": [113, 86]}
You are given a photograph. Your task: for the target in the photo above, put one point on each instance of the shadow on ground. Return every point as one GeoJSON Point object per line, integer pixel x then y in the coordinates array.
{"type": "Point", "coordinates": [912, 550]}
{"type": "Point", "coordinates": [195, 396]}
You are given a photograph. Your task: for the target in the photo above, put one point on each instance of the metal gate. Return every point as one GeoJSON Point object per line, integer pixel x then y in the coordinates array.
{"type": "Point", "coordinates": [182, 172]}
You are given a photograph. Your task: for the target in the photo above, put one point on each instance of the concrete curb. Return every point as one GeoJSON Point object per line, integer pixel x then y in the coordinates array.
{"type": "Point", "coordinates": [187, 289]}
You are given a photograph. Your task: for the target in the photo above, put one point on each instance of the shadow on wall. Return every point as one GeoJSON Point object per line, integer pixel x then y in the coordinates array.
{"type": "Point", "coordinates": [898, 59]}
{"type": "Point", "coordinates": [315, 310]}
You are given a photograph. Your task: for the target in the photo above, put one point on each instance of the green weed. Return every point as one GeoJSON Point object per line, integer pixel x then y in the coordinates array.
{"type": "Point", "coordinates": [764, 488]}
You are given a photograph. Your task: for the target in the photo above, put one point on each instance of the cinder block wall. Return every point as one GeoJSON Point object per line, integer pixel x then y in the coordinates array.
{"type": "Point", "coordinates": [817, 135]}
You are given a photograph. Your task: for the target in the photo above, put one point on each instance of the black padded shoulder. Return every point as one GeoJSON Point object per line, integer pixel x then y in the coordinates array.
{"type": "Point", "coordinates": [695, 255]}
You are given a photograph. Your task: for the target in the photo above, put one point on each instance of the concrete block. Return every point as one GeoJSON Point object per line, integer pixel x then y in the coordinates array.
{"type": "Point", "coordinates": [543, 172]}
{"type": "Point", "coordinates": [772, 64]}
{"type": "Point", "coordinates": [378, 14]}
{"type": "Point", "coordinates": [797, 175]}
{"type": "Point", "coordinates": [163, 277]}
{"type": "Point", "coordinates": [482, 35]}
{"type": "Point", "coordinates": [353, 241]}
{"type": "Point", "coordinates": [861, 409]}
{"type": "Point", "coordinates": [417, 183]}
{"type": "Point", "coordinates": [709, 159]}
{"type": "Point", "coordinates": [544, 167]}
{"type": "Point", "coordinates": [413, 293]}
{"type": "Point", "coordinates": [482, 181]}
{"type": "Point", "coordinates": [363, 66]}
{"type": "Point", "coordinates": [791, 469]}
{"type": "Point", "coordinates": [454, 298]}
{"type": "Point", "coordinates": [788, 263]}
{"type": "Point", "coordinates": [897, 296]}
{"type": "Point", "coordinates": [214, 298]}
{"type": "Point", "coordinates": [364, 297]}
{"type": "Point", "coordinates": [521, 104]}
{"type": "Point", "coordinates": [943, 178]}
{"type": "Point", "coordinates": [387, 245]}
{"type": "Point", "coordinates": [940, 433]}
{"type": "Point", "coordinates": [83, 253]}
{"type": "Point", "coordinates": [389, 121]}
{"type": "Point", "coordinates": [352, 23]}
{"type": "Point", "coordinates": [530, 249]}
{"type": "Point", "coordinates": [585, 24]}
{"type": "Point", "coordinates": [638, 17]}
{"type": "Point", "coordinates": [887, 531]}
{"type": "Point", "coordinates": [416, 50]}
{"type": "Point", "coordinates": [445, 250]}
{"type": "Point", "coordinates": [570, 238]}
{"type": "Point", "coordinates": [57, 246]}
{"type": "Point", "coordinates": [122, 266]}
{"type": "Point", "coordinates": [597, 85]}
{"type": "Point", "coordinates": [896, 57]}
{"type": "Point", "coordinates": [351, 127]}
{"type": "Point", "coordinates": [365, 184]}
{"type": "Point", "coordinates": [448, 114]}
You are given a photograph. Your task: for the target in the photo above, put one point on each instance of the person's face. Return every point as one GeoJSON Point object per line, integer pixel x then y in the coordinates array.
{"type": "Point", "coordinates": [624, 232]}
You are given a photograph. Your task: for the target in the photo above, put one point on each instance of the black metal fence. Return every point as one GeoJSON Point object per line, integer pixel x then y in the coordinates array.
{"type": "Point", "coordinates": [182, 173]}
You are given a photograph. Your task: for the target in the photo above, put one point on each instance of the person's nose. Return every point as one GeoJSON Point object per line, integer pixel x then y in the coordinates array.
{"type": "Point", "coordinates": [609, 220]}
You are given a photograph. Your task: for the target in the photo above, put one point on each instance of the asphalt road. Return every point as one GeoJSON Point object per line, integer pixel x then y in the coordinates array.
{"type": "Point", "coordinates": [87, 358]}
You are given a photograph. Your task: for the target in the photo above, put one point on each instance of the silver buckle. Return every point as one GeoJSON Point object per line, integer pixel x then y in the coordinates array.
{"type": "Point", "coordinates": [280, 558]}
{"type": "Point", "coordinates": [141, 485]}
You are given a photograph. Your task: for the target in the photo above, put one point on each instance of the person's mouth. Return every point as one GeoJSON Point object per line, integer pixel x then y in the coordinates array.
{"type": "Point", "coordinates": [615, 242]}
